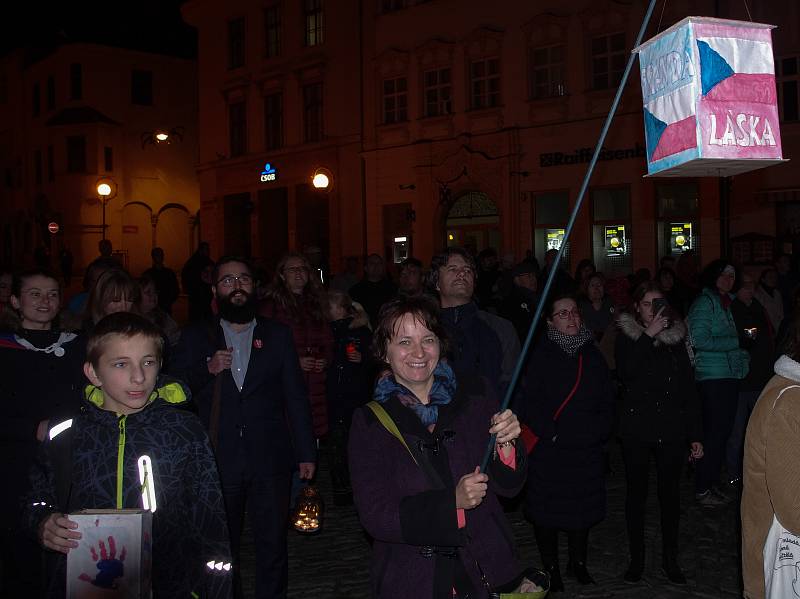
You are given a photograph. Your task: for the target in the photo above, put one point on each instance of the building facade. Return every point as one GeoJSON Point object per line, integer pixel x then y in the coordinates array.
{"type": "Point", "coordinates": [463, 122]}
{"type": "Point", "coordinates": [83, 115]}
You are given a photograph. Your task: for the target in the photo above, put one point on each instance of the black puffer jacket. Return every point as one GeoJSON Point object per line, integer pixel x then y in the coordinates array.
{"type": "Point", "coordinates": [660, 403]}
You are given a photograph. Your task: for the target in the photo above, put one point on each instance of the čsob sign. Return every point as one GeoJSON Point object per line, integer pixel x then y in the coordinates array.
{"type": "Point", "coordinates": [269, 173]}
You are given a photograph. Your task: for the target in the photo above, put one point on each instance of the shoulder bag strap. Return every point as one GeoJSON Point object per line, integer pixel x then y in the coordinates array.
{"type": "Point", "coordinates": [574, 389]}
{"type": "Point", "coordinates": [389, 425]}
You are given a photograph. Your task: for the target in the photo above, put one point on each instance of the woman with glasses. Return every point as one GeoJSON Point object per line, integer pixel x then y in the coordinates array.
{"type": "Point", "coordinates": [660, 416]}
{"type": "Point", "coordinates": [296, 299]}
{"type": "Point", "coordinates": [568, 403]}
{"type": "Point", "coordinates": [41, 378]}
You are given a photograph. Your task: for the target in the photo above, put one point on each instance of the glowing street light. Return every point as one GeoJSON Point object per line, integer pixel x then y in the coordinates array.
{"type": "Point", "coordinates": [106, 190]}
{"type": "Point", "coordinates": [322, 179]}
{"type": "Point", "coordinates": [162, 136]}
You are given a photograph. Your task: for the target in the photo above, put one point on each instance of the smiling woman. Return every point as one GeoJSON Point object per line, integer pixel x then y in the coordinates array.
{"type": "Point", "coordinates": [416, 487]}
{"type": "Point", "coordinates": [40, 382]}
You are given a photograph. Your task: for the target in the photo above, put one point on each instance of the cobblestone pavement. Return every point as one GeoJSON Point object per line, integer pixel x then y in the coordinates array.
{"type": "Point", "coordinates": [335, 563]}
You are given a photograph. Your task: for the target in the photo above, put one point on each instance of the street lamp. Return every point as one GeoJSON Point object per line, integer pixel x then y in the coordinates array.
{"type": "Point", "coordinates": [106, 190]}
{"type": "Point", "coordinates": [322, 179]}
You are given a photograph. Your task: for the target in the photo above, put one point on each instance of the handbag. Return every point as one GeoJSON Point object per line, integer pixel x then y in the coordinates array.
{"type": "Point", "coordinates": [530, 438]}
{"type": "Point", "coordinates": [781, 562]}
{"type": "Point", "coordinates": [507, 591]}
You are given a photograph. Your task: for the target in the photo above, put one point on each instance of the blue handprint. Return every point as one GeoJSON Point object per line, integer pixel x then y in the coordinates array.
{"type": "Point", "coordinates": [109, 567]}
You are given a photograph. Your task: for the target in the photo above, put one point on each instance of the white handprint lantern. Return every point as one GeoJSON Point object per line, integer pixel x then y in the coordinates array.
{"type": "Point", "coordinates": [114, 555]}
{"type": "Point", "coordinates": [710, 104]}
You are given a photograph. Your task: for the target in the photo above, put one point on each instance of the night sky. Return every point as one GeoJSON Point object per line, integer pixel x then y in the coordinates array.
{"type": "Point", "coordinates": [151, 25]}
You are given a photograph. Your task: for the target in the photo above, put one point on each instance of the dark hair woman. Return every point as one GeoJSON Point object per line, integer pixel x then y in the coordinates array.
{"type": "Point", "coordinates": [583, 271]}
{"type": "Point", "coordinates": [568, 402]}
{"type": "Point", "coordinates": [597, 309]}
{"type": "Point", "coordinates": [41, 378]}
{"type": "Point", "coordinates": [771, 469]}
{"type": "Point", "coordinates": [660, 416]}
{"type": "Point", "coordinates": [296, 299]}
{"type": "Point", "coordinates": [436, 520]}
{"type": "Point", "coordinates": [719, 366]}
{"type": "Point", "coordinates": [114, 291]}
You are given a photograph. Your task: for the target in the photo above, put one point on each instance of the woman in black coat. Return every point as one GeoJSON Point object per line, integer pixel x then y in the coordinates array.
{"type": "Point", "coordinates": [660, 416]}
{"type": "Point", "coordinates": [566, 473]}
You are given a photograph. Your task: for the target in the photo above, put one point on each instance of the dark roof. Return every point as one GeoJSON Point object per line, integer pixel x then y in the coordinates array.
{"type": "Point", "coordinates": [78, 115]}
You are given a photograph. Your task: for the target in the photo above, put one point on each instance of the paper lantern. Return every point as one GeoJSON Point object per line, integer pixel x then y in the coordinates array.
{"type": "Point", "coordinates": [307, 516]}
{"type": "Point", "coordinates": [710, 105]}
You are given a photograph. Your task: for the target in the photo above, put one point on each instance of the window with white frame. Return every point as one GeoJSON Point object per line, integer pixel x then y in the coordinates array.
{"type": "Point", "coordinates": [484, 83]}
{"type": "Point", "coordinates": [395, 100]}
{"type": "Point", "coordinates": [438, 92]}
{"type": "Point", "coordinates": [547, 73]}
{"type": "Point", "coordinates": [312, 15]}
{"type": "Point", "coordinates": [608, 58]}
{"type": "Point", "coordinates": [272, 31]}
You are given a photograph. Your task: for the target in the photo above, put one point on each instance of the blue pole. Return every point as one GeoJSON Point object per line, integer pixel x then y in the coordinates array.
{"type": "Point", "coordinates": [578, 203]}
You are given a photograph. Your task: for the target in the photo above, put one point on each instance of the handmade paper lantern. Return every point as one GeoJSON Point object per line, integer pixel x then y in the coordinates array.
{"type": "Point", "coordinates": [710, 105]}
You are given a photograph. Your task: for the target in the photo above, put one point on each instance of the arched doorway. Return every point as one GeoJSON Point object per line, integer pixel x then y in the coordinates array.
{"type": "Point", "coordinates": [473, 222]}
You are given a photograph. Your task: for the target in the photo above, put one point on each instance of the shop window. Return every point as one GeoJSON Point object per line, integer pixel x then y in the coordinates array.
{"type": "Point", "coordinates": [611, 230]}
{"type": "Point", "coordinates": [677, 208]}
{"type": "Point", "coordinates": [550, 216]}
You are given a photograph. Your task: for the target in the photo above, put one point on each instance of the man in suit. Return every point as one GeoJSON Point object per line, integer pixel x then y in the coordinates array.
{"type": "Point", "coordinates": [246, 380]}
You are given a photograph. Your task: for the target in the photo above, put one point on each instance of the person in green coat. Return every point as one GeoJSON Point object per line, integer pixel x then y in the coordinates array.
{"type": "Point", "coordinates": [719, 366]}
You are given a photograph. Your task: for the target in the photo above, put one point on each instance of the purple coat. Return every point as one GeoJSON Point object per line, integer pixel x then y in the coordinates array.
{"type": "Point", "coordinates": [404, 511]}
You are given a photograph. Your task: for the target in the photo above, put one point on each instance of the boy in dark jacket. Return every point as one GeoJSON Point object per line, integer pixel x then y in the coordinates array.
{"type": "Point", "coordinates": [91, 462]}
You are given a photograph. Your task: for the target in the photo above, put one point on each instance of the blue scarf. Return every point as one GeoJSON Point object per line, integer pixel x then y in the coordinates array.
{"type": "Point", "coordinates": [442, 391]}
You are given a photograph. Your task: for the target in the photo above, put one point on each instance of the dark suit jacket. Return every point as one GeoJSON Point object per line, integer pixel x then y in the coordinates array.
{"type": "Point", "coordinates": [266, 428]}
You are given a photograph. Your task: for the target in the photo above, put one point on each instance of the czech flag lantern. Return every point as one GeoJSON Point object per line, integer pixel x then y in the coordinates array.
{"type": "Point", "coordinates": [710, 105]}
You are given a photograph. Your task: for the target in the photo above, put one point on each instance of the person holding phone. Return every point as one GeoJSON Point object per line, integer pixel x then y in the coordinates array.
{"type": "Point", "coordinates": [660, 416]}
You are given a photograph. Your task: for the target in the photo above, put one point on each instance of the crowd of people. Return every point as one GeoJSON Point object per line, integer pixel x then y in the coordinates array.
{"type": "Point", "coordinates": [399, 386]}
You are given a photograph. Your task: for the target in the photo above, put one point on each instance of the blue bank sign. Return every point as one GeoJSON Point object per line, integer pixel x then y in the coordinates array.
{"type": "Point", "coordinates": [269, 173]}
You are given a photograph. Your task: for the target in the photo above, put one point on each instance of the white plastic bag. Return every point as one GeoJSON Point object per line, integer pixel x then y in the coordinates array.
{"type": "Point", "coordinates": [781, 562]}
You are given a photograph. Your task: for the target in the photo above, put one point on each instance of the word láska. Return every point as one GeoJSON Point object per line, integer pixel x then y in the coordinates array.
{"type": "Point", "coordinates": [742, 130]}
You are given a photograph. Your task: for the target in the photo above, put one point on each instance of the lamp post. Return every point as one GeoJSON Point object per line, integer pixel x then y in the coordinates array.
{"type": "Point", "coordinates": [105, 191]}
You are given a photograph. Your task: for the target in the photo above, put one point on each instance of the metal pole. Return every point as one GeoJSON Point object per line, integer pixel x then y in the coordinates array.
{"type": "Point", "coordinates": [103, 200]}
{"type": "Point", "coordinates": [578, 202]}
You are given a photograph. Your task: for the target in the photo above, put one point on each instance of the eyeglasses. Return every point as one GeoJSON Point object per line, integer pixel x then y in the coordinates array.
{"type": "Point", "coordinates": [228, 281]}
{"type": "Point", "coordinates": [564, 314]}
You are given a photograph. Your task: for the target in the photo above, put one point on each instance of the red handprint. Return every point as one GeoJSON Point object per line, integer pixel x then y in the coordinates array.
{"type": "Point", "coordinates": [110, 568]}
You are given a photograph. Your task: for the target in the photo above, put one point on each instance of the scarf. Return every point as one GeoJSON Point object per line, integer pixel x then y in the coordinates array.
{"type": "Point", "coordinates": [442, 391]}
{"type": "Point", "coordinates": [570, 344]}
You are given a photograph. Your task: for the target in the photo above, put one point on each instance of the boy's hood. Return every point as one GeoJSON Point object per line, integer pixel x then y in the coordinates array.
{"type": "Point", "coordinates": [167, 388]}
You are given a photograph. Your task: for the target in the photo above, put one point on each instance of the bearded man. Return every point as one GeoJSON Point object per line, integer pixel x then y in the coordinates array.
{"type": "Point", "coordinates": [245, 377]}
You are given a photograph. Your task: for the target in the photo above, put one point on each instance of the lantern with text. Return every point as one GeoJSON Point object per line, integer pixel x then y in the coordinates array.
{"type": "Point", "coordinates": [710, 105]}
{"type": "Point", "coordinates": [307, 517]}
